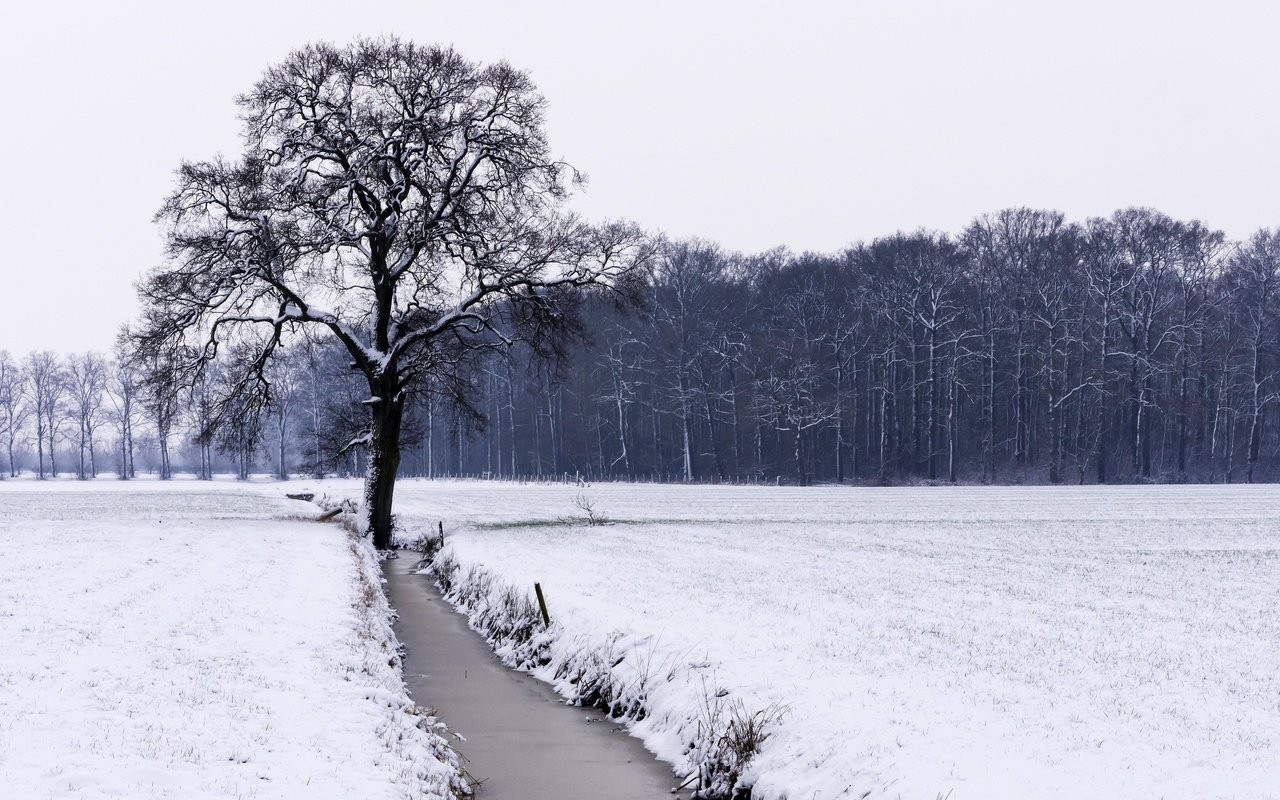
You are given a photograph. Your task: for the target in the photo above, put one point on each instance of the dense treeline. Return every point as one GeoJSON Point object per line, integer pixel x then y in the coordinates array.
{"type": "Point", "coordinates": [1024, 348]}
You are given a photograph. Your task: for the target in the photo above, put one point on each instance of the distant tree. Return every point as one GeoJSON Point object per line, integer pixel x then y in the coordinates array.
{"type": "Point", "coordinates": [986, 243]}
{"type": "Point", "coordinates": [202, 415]}
{"type": "Point", "coordinates": [1199, 264]}
{"type": "Point", "coordinates": [160, 390]}
{"type": "Point", "coordinates": [683, 320]}
{"type": "Point", "coordinates": [122, 393]}
{"type": "Point", "coordinates": [236, 422]}
{"type": "Point", "coordinates": [398, 197]}
{"type": "Point", "coordinates": [1253, 278]}
{"type": "Point", "coordinates": [45, 388]}
{"type": "Point", "coordinates": [1148, 242]}
{"type": "Point", "coordinates": [1106, 278]}
{"type": "Point", "coordinates": [318, 365]}
{"type": "Point", "coordinates": [793, 389]}
{"type": "Point", "coordinates": [14, 409]}
{"type": "Point", "coordinates": [241, 434]}
{"type": "Point", "coordinates": [284, 376]}
{"type": "Point", "coordinates": [86, 377]}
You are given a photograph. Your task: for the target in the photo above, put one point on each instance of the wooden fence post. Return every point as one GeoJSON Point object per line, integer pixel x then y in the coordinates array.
{"type": "Point", "coordinates": [542, 605]}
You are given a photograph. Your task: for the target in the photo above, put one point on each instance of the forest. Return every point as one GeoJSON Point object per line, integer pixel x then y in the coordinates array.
{"type": "Point", "coordinates": [1026, 348]}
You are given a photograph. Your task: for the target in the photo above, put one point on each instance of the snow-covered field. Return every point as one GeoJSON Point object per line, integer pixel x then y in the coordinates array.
{"type": "Point", "coordinates": [190, 640]}
{"type": "Point", "coordinates": [1116, 642]}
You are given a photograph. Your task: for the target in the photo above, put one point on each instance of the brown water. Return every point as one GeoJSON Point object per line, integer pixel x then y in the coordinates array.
{"type": "Point", "coordinates": [519, 739]}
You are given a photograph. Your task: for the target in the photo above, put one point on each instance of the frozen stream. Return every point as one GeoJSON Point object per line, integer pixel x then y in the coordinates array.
{"type": "Point", "coordinates": [518, 737]}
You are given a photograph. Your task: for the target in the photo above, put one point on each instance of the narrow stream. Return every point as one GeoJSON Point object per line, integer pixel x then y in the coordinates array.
{"type": "Point", "coordinates": [520, 740]}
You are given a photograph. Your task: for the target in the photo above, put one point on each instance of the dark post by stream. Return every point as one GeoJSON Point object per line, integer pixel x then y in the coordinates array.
{"type": "Point", "coordinates": [542, 605]}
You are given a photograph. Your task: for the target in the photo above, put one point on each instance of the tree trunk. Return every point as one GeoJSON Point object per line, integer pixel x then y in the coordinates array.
{"type": "Point", "coordinates": [281, 472]}
{"type": "Point", "coordinates": [884, 425]}
{"type": "Point", "coordinates": [989, 400]}
{"type": "Point", "coordinates": [686, 437]}
{"type": "Point", "coordinates": [622, 430]}
{"type": "Point", "coordinates": [932, 400]}
{"type": "Point", "coordinates": [1054, 408]}
{"type": "Point", "coordinates": [128, 446]}
{"type": "Point", "coordinates": [953, 433]}
{"type": "Point", "coordinates": [1230, 456]}
{"type": "Point", "coordinates": [511, 417]}
{"type": "Point", "coordinates": [1255, 419]}
{"type": "Point", "coordinates": [711, 429]}
{"type": "Point", "coordinates": [431, 437]}
{"type": "Point", "coordinates": [799, 456]}
{"type": "Point", "coordinates": [53, 464]}
{"type": "Point", "coordinates": [1183, 378]}
{"type": "Point", "coordinates": [39, 446]}
{"type": "Point", "coordinates": [384, 461]}
{"type": "Point", "coordinates": [164, 457]}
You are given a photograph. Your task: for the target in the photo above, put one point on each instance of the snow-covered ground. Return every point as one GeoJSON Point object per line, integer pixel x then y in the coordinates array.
{"type": "Point", "coordinates": [192, 640]}
{"type": "Point", "coordinates": [1117, 642]}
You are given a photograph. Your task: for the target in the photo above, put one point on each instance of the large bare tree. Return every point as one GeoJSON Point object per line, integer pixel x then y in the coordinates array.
{"type": "Point", "coordinates": [401, 198]}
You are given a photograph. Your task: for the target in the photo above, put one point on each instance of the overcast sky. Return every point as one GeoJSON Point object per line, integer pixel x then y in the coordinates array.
{"type": "Point", "coordinates": [805, 124]}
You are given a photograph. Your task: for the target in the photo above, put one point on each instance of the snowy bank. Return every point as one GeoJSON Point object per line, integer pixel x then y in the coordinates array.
{"type": "Point", "coordinates": [675, 706]}
{"type": "Point", "coordinates": [963, 642]}
{"type": "Point", "coordinates": [176, 643]}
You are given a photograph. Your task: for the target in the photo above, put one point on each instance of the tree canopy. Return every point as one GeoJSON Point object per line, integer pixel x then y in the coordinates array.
{"type": "Point", "coordinates": [400, 198]}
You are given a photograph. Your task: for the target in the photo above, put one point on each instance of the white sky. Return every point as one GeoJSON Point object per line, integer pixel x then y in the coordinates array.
{"type": "Point", "coordinates": [806, 124]}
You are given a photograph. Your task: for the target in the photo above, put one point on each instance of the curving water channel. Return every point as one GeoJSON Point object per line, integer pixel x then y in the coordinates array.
{"type": "Point", "coordinates": [518, 738]}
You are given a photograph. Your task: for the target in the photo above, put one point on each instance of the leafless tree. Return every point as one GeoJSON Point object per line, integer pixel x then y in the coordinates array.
{"type": "Point", "coordinates": [284, 376]}
{"type": "Point", "coordinates": [684, 319]}
{"type": "Point", "coordinates": [122, 394]}
{"type": "Point", "coordinates": [14, 408]}
{"type": "Point", "coordinates": [397, 197]}
{"type": "Point", "coordinates": [1253, 276]}
{"type": "Point", "coordinates": [160, 391]}
{"type": "Point", "coordinates": [45, 388]}
{"type": "Point", "coordinates": [202, 411]}
{"type": "Point", "coordinates": [86, 377]}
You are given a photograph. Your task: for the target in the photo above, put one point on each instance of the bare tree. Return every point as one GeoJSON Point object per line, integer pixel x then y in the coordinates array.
{"type": "Point", "coordinates": [1148, 248]}
{"type": "Point", "coordinates": [1253, 275]}
{"type": "Point", "coordinates": [1199, 262]}
{"type": "Point", "coordinates": [236, 423]}
{"type": "Point", "coordinates": [122, 394]}
{"type": "Point", "coordinates": [160, 395]}
{"type": "Point", "coordinates": [86, 377]}
{"type": "Point", "coordinates": [684, 315]}
{"type": "Point", "coordinates": [202, 413]}
{"type": "Point", "coordinates": [45, 388]}
{"type": "Point", "coordinates": [393, 195]}
{"type": "Point", "coordinates": [284, 378]}
{"type": "Point", "coordinates": [14, 409]}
